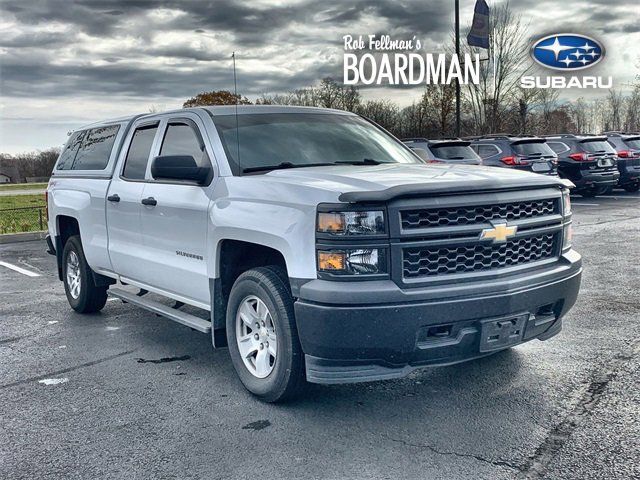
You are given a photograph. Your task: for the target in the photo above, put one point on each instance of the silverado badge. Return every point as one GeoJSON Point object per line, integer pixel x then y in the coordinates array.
{"type": "Point", "coordinates": [498, 233]}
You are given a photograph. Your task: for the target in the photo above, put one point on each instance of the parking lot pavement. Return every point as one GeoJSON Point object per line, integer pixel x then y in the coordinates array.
{"type": "Point", "coordinates": [125, 394]}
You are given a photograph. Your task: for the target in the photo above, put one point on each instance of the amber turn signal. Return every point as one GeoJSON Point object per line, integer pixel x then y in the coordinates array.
{"type": "Point", "coordinates": [331, 261]}
{"type": "Point", "coordinates": [331, 223]}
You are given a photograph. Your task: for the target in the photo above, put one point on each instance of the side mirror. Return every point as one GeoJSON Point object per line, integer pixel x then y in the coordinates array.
{"type": "Point", "coordinates": [180, 167]}
{"type": "Point", "coordinates": [422, 153]}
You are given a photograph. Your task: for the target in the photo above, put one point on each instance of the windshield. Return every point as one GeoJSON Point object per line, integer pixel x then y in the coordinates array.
{"type": "Point", "coordinates": [597, 146]}
{"type": "Point", "coordinates": [533, 148]}
{"type": "Point", "coordinates": [286, 140]}
{"type": "Point", "coordinates": [454, 152]}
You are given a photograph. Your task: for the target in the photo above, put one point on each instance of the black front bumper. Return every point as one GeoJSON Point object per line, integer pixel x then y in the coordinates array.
{"type": "Point", "coordinates": [364, 331]}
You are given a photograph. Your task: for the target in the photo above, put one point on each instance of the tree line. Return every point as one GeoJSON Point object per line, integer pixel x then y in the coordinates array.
{"type": "Point", "coordinates": [30, 164]}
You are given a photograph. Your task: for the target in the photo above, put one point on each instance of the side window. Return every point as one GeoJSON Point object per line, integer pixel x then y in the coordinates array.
{"type": "Point", "coordinates": [558, 147]}
{"type": "Point", "coordinates": [487, 150]}
{"type": "Point", "coordinates": [135, 164]}
{"type": "Point", "coordinates": [181, 139]}
{"type": "Point", "coordinates": [96, 148]}
{"type": "Point", "coordinates": [68, 155]}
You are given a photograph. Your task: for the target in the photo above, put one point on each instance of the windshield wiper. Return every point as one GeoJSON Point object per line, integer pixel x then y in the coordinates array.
{"type": "Point", "coordinates": [282, 166]}
{"type": "Point", "coordinates": [364, 161]}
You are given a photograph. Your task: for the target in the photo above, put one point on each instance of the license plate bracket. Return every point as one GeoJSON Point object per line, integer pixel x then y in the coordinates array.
{"type": "Point", "coordinates": [540, 167]}
{"type": "Point", "coordinates": [499, 333]}
{"type": "Point", "coordinates": [605, 162]}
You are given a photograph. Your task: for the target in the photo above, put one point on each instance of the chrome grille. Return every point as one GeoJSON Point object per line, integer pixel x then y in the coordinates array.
{"type": "Point", "coordinates": [432, 261]}
{"type": "Point", "coordinates": [467, 215]}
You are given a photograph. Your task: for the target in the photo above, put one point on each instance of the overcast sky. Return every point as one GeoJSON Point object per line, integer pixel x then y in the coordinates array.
{"type": "Point", "coordinates": [67, 63]}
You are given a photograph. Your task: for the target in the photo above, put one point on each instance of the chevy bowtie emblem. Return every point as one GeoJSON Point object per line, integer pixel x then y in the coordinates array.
{"type": "Point", "coordinates": [499, 233]}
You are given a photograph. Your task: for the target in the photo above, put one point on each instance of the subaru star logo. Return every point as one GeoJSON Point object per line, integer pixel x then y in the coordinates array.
{"type": "Point", "coordinates": [567, 51]}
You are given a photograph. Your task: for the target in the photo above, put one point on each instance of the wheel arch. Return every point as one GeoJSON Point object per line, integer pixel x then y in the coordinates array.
{"type": "Point", "coordinates": [233, 257]}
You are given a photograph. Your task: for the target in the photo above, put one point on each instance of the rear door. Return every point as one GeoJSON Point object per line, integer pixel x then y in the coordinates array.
{"type": "Point", "coordinates": [174, 228]}
{"type": "Point", "coordinates": [124, 202]}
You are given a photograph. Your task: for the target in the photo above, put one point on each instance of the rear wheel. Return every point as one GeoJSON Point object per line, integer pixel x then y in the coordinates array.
{"type": "Point", "coordinates": [262, 335]}
{"type": "Point", "coordinates": [632, 187]}
{"type": "Point", "coordinates": [589, 193]}
{"type": "Point", "coordinates": [82, 293]}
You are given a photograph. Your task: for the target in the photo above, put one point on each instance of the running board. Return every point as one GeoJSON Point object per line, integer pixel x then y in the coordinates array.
{"type": "Point", "coordinates": [191, 321]}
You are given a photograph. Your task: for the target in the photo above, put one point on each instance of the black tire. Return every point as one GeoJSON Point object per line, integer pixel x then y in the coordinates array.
{"type": "Point", "coordinates": [590, 193]}
{"type": "Point", "coordinates": [271, 285]}
{"type": "Point", "coordinates": [90, 298]}
{"type": "Point", "coordinates": [632, 187]}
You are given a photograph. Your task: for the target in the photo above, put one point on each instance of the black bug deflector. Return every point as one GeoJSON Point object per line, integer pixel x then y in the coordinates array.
{"type": "Point", "coordinates": [488, 185]}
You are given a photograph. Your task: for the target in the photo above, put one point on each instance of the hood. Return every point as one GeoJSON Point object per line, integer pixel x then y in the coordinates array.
{"type": "Point", "coordinates": [384, 182]}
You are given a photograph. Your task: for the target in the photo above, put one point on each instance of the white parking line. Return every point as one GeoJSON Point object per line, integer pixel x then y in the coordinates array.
{"type": "Point", "coordinates": [19, 269]}
{"type": "Point", "coordinates": [621, 197]}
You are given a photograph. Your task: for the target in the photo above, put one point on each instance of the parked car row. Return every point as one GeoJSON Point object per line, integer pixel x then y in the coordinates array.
{"type": "Point", "coordinates": [594, 163]}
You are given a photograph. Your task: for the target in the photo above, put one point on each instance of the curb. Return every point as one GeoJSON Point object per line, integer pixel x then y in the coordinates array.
{"type": "Point", "coordinates": [21, 237]}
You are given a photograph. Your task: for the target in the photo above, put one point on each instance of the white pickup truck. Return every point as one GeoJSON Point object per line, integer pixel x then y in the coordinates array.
{"type": "Point", "coordinates": [316, 245]}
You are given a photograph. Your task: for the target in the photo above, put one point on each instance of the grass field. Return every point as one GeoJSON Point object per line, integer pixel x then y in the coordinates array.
{"type": "Point", "coordinates": [22, 186]}
{"type": "Point", "coordinates": [22, 213]}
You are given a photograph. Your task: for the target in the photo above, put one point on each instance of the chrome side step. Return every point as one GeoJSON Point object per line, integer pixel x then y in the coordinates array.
{"type": "Point", "coordinates": [191, 321]}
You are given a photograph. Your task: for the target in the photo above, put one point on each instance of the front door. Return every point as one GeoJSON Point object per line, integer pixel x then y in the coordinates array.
{"type": "Point", "coordinates": [174, 221]}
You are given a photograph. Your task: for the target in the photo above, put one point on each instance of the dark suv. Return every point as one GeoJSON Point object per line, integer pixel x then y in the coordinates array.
{"type": "Point", "coordinates": [522, 153]}
{"type": "Point", "coordinates": [449, 150]}
{"type": "Point", "coordinates": [587, 160]}
{"type": "Point", "coordinates": [627, 146]}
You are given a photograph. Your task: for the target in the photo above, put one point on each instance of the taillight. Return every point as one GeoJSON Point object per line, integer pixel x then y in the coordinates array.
{"type": "Point", "coordinates": [625, 154]}
{"type": "Point", "coordinates": [579, 157]}
{"type": "Point", "coordinates": [513, 160]}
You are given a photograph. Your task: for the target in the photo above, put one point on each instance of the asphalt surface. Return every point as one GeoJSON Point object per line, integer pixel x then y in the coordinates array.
{"type": "Point", "coordinates": [126, 394]}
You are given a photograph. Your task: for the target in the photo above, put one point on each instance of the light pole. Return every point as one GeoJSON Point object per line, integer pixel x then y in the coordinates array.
{"type": "Point", "coordinates": [457, 27]}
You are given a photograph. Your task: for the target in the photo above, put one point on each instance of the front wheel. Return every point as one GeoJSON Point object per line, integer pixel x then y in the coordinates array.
{"type": "Point", "coordinates": [82, 293]}
{"type": "Point", "coordinates": [262, 335]}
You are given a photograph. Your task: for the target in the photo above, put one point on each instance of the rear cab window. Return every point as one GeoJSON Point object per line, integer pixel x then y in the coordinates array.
{"type": "Point", "coordinates": [596, 146]}
{"type": "Point", "coordinates": [633, 143]}
{"type": "Point", "coordinates": [454, 152]}
{"type": "Point", "coordinates": [558, 147]}
{"type": "Point", "coordinates": [532, 148]}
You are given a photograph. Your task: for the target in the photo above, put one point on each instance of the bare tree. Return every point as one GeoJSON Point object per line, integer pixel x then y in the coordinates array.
{"type": "Point", "coordinates": [384, 112]}
{"type": "Point", "coordinates": [500, 77]}
{"type": "Point", "coordinates": [615, 103]}
{"type": "Point", "coordinates": [632, 115]}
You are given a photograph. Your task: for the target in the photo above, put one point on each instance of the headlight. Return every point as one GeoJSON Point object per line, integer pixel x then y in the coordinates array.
{"type": "Point", "coordinates": [356, 261]}
{"type": "Point", "coordinates": [566, 203]}
{"type": "Point", "coordinates": [351, 223]}
{"type": "Point", "coordinates": [567, 236]}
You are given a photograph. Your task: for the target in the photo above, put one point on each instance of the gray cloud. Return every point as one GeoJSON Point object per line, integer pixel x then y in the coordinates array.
{"type": "Point", "coordinates": [305, 36]}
